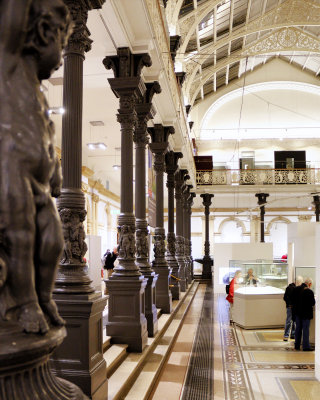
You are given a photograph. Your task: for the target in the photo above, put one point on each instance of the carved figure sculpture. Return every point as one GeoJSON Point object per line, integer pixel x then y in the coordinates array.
{"type": "Point", "coordinates": [126, 243]}
{"type": "Point", "coordinates": [32, 36]}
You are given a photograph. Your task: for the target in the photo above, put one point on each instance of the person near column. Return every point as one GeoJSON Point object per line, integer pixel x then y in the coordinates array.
{"type": "Point", "coordinates": [304, 299]}
{"type": "Point", "coordinates": [288, 298]}
{"type": "Point", "coordinates": [109, 262]}
{"type": "Point", "coordinates": [233, 286]}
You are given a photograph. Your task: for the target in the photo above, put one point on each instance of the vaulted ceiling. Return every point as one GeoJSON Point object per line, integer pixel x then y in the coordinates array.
{"type": "Point", "coordinates": [222, 40]}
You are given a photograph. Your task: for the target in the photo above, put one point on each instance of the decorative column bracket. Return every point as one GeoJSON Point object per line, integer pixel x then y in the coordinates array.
{"type": "Point", "coordinates": [145, 112]}
{"type": "Point", "coordinates": [175, 42]}
{"type": "Point", "coordinates": [181, 76]}
{"type": "Point", "coordinates": [159, 145]}
{"type": "Point", "coordinates": [171, 159]}
{"type": "Point", "coordinates": [126, 320]}
{"type": "Point", "coordinates": [179, 183]}
{"type": "Point", "coordinates": [262, 200]}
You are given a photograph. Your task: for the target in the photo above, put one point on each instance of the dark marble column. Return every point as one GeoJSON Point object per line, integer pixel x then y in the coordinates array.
{"type": "Point", "coordinates": [126, 320]}
{"type": "Point", "coordinates": [190, 203]}
{"type": "Point", "coordinates": [159, 144]}
{"type": "Point", "coordinates": [188, 200]}
{"type": "Point", "coordinates": [316, 202]}
{"type": "Point", "coordinates": [207, 261]}
{"type": "Point", "coordinates": [145, 111]}
{"type": "Point", "coordinates": [179, 185]}
{"type": "Point", "coordinates": [80, 357]}
{"type": "Point", "coordinates": [262, 199]}
{"type": "Point", "coordinates": [171, 159]}
{"type": "Point", "coordinates": [185, 213]}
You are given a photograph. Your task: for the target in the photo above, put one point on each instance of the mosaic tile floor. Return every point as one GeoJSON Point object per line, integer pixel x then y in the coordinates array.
{"type": "Point", "coordinates": [246, 364]}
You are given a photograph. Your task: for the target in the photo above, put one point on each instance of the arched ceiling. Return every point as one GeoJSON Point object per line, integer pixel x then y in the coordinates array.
{"type": "Point", "coordinates": [222, 40]}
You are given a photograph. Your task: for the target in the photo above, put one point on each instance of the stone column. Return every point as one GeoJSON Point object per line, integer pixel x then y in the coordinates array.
{"type": "Point", "coordinates": [171, 159]}
{"type": "Point", "coordinates": [145, 111]}
{"type": "Point", "coordinates": [262, 199]}
{"type": "Point", "coordinates": [316, 202]}
{"type": "Point", "coordinates": [186, 194]}
{"type": "Point", "coordinates": [179, 182]}
{"type": "Point", "coordinates": [159, 144]}
{"type": "Point", "coordinates": [80, 357]}
{"type": "Point", "coordinates": [207, 260]}
{"type": "Point", "coordinates": [190, 203]}
{"type": "Point", "coordinates": [126, 321]}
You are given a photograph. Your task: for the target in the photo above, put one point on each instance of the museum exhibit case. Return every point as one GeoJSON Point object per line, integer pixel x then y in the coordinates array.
{"type": "Point", "coordinates": [258, 296]}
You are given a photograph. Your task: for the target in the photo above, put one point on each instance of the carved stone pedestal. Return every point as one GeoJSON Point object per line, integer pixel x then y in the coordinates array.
{"type": "Point", "coordinates": [80, 357]}
{"type": "Point", "coordinates": [160, 266]}
{"type": "Point", "coordinates": [150, 312]}
{"type": "Point", "coordinates": [126, 322]}
{"type": "Point", "coordinates": [24, 366]}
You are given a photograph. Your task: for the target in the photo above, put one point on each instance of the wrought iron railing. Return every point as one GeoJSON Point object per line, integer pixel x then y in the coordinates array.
{"type": "Point", "coordinates": [258, 176]}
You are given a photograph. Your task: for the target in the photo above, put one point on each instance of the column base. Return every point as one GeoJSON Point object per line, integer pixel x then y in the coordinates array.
{"type": "Point", "coordinates": [163, 294]}
{"type": "Point", "coordinates": [151, 313]}
{"type": "Point", "coordinates": [207, 264]}
{"type": "Point", "coordinates": [80, 357]}
{"type": "Point", "coordinates": [174, 279]}
{"type": "Point", "coordinates": [126, 322]}
{"type": "Point", "coordinates": [24, 366]}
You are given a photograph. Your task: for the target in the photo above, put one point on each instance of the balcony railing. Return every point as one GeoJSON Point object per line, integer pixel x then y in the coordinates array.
{"type": "Point", "coordinates": [259, 176]}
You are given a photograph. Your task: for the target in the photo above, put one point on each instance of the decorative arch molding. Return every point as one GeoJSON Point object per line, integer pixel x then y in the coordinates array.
{"type": "Point", "coordinates": [274, 221]}
{"type": "Point", "coordinates": [285, 39]}
{"type": "Point", "coordinates": [256, 87]}
{"type": "Point", "coordinates": [237, 221]}
{"type": "Point", "coordinates": [172, 11]}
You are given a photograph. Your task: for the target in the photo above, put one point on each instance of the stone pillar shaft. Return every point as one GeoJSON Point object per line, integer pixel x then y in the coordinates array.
{"type": "Point", "coordinates": [171, 168]}
{"type": "Point", "coordinates": [262, 199]}
{"type": "Point", "coordinates": [145, 111]}
{"type": "Point", "coordinates": [207, 261]}
{"type": "Point", "coordinates": [159, 144]}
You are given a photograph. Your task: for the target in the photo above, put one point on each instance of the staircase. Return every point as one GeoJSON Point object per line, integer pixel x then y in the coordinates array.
{"type": "Point", "coordinates": [131, 376]}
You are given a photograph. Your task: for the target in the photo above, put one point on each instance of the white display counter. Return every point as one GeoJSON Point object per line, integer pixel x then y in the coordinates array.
{"type": "Point", "coordinates": [259, 307]}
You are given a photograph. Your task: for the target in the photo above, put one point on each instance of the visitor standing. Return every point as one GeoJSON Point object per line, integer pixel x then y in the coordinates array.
{"type": "Point", "coordinates": [304, 298]}
{"type": "Point", "coordinates": [290, 325]}
{"type": "Point", "coordinates": [232, 287]}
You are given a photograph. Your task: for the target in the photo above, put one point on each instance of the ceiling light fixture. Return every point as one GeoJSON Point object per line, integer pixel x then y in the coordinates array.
{"type": "Point", "coordinates": [56, 110]}
{"type": "Point", "coordinates": [116, 166]}
{"type": "Point", "coordinates": [97, 146]}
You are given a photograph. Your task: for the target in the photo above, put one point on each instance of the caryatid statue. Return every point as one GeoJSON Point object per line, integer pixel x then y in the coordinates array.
{"type": "Point", "coordinates": [33, 34]}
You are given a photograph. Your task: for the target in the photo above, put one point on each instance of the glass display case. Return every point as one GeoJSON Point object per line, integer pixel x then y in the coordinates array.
{"type": "Point", "coordinates": [260, 273]}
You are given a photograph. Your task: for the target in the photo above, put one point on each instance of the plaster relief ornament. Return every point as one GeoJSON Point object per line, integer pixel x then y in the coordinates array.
{"type": "Point", "coordinates": [33, 34]}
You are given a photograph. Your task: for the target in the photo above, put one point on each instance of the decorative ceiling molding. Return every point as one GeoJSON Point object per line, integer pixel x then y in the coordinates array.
{"type": "Point", "coordinates": [172, 11]}
{"type": "Point", "coordinates": [289, 13]}
{"type": "Point", "coordinates": [285, 39]}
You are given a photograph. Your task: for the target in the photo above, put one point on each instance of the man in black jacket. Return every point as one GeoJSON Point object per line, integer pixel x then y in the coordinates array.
{"type": "Point", "coordinates": [288, 298]}
{"type": "Point", "coordinates": [303, 308]}
{"type": "Point", "coordinates": [109, 262]}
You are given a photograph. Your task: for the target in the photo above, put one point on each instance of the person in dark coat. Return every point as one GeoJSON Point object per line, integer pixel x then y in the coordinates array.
{"type": "Point", "coordinates": [288, 298]}
{"type": "Point", "coordinates": [304, 302]}
{"type": "Point", "coordinates": [109, 261]}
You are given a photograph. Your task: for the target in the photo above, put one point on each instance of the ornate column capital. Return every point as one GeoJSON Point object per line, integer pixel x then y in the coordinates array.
{"type": "Point", "coordinates": [207, 199]}
{"type": "Point", "coordinates": [171, 160]}
{"type": "Point", "coordinates": [179, 182]}
{"type": "Point", "coordinates": [159, 144]}
{"type": "Point", "coordinates": [262, 198]}
{"type": "Point", "coordinates": [79, 42]}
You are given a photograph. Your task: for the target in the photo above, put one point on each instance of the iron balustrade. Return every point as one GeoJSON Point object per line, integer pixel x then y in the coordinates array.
{"type": "Point", "coordinates": [258, 176]}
